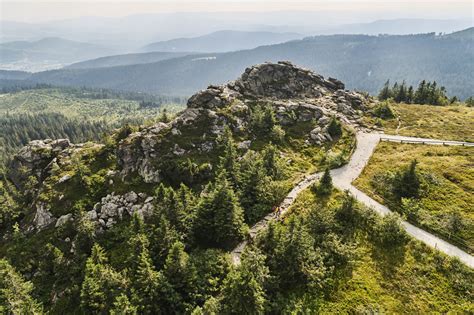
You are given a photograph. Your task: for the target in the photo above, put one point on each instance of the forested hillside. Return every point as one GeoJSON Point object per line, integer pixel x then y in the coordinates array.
{"type": "Point", "coordinates": [76, 113]}
{"type": "Point", "coordinates": [363, 62]}
{"type": "Point", "coordinates": [127, 59]}
{"type": "Point", "coordinates": [143, 223]}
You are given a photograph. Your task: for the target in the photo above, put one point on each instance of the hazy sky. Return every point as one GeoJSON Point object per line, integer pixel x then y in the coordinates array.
{"type": "Point", "coordinates": [39, 10]}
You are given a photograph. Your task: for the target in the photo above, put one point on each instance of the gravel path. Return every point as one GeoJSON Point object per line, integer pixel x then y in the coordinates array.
{"type": "Point", "coordinates": [342, 178]}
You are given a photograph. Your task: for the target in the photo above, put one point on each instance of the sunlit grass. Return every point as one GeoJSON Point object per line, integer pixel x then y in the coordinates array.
{"type": "Point", "coordinates": [451, 190]}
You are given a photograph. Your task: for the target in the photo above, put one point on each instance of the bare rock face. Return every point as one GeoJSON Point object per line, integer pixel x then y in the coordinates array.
{"type": "Point", "coordinates": [33, 158]}
{"type": "Point", "coordinates": [43, 217]}
{"type": "Point", "coordinates": [283, 81]}
{"type": "Point", "coordinates": [297, 95]}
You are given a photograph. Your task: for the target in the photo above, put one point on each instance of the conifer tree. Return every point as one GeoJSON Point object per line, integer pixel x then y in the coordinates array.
{"type": "Point", "coordinates": [123, 306]}
{"type": "Point", "coordinates": [228, 160]}
{"type": "Point", "coordinates": [385, 92]}
{"type": "Point", "coordinates": [180, 272]}
{"type": "Point", "coordinates": [15, 292]}
{"type": "Point", "coordinates": [243, 291]}
{"type": "Point", "coordinates": [151, 291]}
{"type": "Point", "coordinates": [325, 183]}
{"type": "Point", "coordinates": [101, 283]}
{"type": "Point", "coordinates": [219, 218]}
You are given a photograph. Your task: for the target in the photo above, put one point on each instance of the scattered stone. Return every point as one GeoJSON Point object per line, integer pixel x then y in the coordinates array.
{"type": "Point", "coordinates": [43, 217]}
{"type": "Point", "coordinates": [65, 178]}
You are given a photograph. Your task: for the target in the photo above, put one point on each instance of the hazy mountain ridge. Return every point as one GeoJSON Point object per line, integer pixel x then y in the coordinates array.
{"type": "Point", "coordinates": [126, 59]}
{"type": "Point", "coordinates": [222, 41]}
{"type": "Point", "coordinates": [47, 53]}
{"type": "Point", "coordinates": [363, 62]}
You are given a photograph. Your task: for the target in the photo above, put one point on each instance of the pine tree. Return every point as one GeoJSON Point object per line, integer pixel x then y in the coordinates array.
{"type": "Point", "coordinates": [15, 292]}
{"type": "Point", "coordinates": [325, 183]}
{"type": "Point", "coordinates": [243, 291]}
{"type": "Point", "coordinates": [219, 218]}
{"type": "Point", "coordinates": [101, 284]}
{"type": "Point", "coordinates": [386, 92]}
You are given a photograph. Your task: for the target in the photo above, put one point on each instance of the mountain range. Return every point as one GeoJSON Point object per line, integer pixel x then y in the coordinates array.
{"type": "Point", "coordinates": [47, 53]}
{"type": "Point", "coordinates": [222, 41]}
{"type": "Point", "coordinates": [363, 62]}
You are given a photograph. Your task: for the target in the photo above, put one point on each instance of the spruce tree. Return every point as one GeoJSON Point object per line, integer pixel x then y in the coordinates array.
{"type": "Point", "coordinates": [15, 292]}
{"type": "Point", "coordinates": [101, 285]}
{"type": "Point", "coordinates": [386, 92]}
{"type": "Point", "coordinates": [181, 273]}
{"type": "Point", "coordinates": [229, 158]}
{"type": "Point", "coordinates": [325, 183]}
{"type": "Point", "coordinates": [219, 218]}
{"type": "Point", "coordinates": [243, 291]}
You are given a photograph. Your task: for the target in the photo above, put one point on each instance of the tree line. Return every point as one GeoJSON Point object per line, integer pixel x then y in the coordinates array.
{"type": "Point", "coordinates": [427, 93]}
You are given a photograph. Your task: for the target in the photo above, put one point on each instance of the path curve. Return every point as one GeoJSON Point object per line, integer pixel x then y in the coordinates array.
{"type": "Point", "coordinates": [342, 178]}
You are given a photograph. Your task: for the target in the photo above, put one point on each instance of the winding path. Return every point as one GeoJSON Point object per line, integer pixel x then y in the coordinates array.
{"type": "Point", "coordinates": [342, 178]}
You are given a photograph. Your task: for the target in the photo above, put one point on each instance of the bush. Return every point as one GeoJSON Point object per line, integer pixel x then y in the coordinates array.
{"type": "Point", "coordinates": [390, 232]}
{"type": "Point", "coordinates": [335, 128]}
{"type": "Point", "coordinates": [383, 111]}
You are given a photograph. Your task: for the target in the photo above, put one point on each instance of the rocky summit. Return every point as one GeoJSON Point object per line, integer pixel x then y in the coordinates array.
{"type": "Point", "coordinates": [297, 97]}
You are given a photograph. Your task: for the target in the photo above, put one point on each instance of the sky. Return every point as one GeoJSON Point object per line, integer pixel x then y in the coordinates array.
{"type": "Point", "coordinates": [41, 10]}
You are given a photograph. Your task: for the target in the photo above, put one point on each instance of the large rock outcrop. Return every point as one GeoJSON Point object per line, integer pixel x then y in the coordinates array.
{"type": "Point", "coordinates": [33, 159]}
{"type": "Point", "coordinates": [297, 95]}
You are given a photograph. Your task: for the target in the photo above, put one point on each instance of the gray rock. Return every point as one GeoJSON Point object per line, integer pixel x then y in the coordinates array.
{"type": "Point", "coordinates": [244, 145]}
{"type": "Point", "coordinates": [64, 178]}
{"type": "Point", "coordinates": [131, 197]}
{"type": "Point", "coordinates": [92, 215]}
{"type": "Point", "coordinates": [63, 220]}
{"type": "Point", "coordinates": [43, 217]}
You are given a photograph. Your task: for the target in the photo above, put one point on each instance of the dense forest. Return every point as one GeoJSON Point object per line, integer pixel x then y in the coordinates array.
{"type": "Point", "coordinates": [19, 129]}
{"type": "Point", "coordinates": [176, 261]}
{"type": "Point", "coordinates": [79, 114]}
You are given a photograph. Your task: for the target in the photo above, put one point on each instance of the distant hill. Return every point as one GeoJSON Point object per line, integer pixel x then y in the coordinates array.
{"type": "Point", "coordinates": [127, 59]}
{"type": "Point", "coordinates": [467, 34]}
{"type": "Point", "coordinates": [222, 41]}
{"type": "Point", "coordinates": [47, 53]}
{"type": "Point", "coordinates": [363, 62]}
{"type": "Point", "coordinates": [401, 27]}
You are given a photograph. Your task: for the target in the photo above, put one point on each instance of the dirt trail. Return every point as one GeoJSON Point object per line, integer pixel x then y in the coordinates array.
{"type": "Point", "coordinates": [342, 178]}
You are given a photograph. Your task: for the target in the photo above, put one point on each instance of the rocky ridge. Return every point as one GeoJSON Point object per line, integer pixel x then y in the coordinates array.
{"type": "Point", "coordinates": [297, 95]}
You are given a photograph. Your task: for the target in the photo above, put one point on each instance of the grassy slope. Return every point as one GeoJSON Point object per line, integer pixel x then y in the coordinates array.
{"type": "Point", "coordinates": [441, 122]}
{"type": "Point", "coordinates": [418, 280]}
{"type": "Point", "coordinates": [452, 168]}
